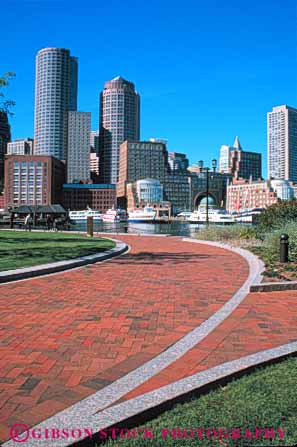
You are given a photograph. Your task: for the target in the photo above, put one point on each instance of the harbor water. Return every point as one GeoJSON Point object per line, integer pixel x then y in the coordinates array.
{"type": "Point", "coordinates": [176, 228]}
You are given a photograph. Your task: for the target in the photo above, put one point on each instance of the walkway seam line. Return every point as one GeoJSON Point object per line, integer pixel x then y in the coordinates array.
{"type": "Point", "coordinates": [105, 397]}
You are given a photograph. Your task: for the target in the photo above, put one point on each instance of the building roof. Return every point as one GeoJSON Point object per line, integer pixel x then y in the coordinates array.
{"type": "Point", "coordinates": [237, 144]}
{"type": "Point", "coordinates": [31, 209]}
{"type": "Point", "coordinates": [118, 78]}
{"type": "Point", "coordinates": [89, 186]}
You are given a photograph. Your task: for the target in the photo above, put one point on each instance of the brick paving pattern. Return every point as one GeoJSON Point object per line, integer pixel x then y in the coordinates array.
{"type": "Point", "coordinates": [262, 321]}
{"type": "Point", "coordinates": [65, 336]}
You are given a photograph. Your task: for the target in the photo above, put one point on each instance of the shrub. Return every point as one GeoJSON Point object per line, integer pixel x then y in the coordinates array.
{"type": "Point", "coordinates": [276, 216]}
{"type": "Point", "coordinates": [226, 233]}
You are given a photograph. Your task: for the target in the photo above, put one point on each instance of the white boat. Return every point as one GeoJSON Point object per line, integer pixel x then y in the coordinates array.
{"type": "Point", "coordinates": [82, 216]}
{"type": "Point", "coordinates": [185, 214]}
{"type": "Point", "coordinates": [146, 214]}
{"type": "Point", "coordinates": [247, 216]}
{"type": "Point", "coordinates": [215, 215]}
{"type": "Point", "coordinates": [115, 215]}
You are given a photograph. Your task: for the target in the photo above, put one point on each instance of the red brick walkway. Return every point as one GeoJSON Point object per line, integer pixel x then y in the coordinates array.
{"type": "Point", "coordinates": [262, 321]}
{"type": "Point", "coordinates": [63, 337]}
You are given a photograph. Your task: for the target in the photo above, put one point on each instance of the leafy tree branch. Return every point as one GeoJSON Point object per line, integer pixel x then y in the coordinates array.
{"type": "Point", "coordinates": [6, 104]}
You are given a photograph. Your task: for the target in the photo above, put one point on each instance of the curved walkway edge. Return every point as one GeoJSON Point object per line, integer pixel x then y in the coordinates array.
{"type": "Point", "coordinates": [61, 266]}
{"type": "Point", "coordinates": [256, 265]}
{"type": "Point", "coordinates": [154, 402]}
{"type": "Point", "coordinates": [96, 411]}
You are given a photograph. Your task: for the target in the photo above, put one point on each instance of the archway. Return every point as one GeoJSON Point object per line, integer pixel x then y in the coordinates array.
{"type": "Point", "coordinates": [200, 199]}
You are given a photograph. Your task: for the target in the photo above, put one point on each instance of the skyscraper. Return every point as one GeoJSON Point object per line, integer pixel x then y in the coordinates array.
{"type": "Point", "coordinates": [55, 95]}
{"type": "Point", "coordinates": [78, 153]}
{"type": "Point", "coordinates": [282, 143]}
{"type": "Point", "coordinates": [119, 121]}
{"type": "Point", "coordinates": [4, 139]}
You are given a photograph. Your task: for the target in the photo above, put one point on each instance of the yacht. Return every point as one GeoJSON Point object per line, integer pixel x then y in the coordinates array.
{"type": "Point", "coordinates": [115, 215]}
{"type": "Point", "coordinates": [82, 216]}
{"type": "Point", "coordinates": [146, 214]}
{"type": "Point", "coordinates": [215, 215]}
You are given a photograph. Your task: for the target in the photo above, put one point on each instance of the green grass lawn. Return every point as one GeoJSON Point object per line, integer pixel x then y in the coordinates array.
{"type": "Point", "coordinates": [24, 249]}
{"type": "Point", "coordinates": [266, 398]}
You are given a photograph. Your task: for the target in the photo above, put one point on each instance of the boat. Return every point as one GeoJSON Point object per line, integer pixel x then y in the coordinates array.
{"type": "Point", "coordinates": [82, 216]}
{"type": "Point", "coordinates": [146, 214]}
{"type": "Point", "coordinates": [247, 216]}
{"type": "Point", "coordinates": [215, 215]}
{"type": "Point", "coordinates": [185, 214]}
{"type": "Point", "coordinates": [115, 215]}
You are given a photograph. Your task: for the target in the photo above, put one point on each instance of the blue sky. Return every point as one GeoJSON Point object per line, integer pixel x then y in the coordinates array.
{"type": "Point", "coordinates": [206, 70]}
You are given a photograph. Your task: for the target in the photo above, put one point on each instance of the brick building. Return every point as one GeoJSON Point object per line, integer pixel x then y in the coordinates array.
{"type": "Point", "coordinates": [99, 197]}
{"type": "Point", "coordinates": [242, 195]}
{"type": "Point", "coordinates": [33, 180]}
{"type": "Point", "coordinates": [2, 201]}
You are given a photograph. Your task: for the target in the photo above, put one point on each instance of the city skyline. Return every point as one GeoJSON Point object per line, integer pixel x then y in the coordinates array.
{"type": "Point", "coordinates": [232, 78]}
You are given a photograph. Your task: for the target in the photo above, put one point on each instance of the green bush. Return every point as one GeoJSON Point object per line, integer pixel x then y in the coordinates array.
{"type": "Point", "coordinates": [226, 233]}
{"type": "Point", "coordinates": [276, 216]}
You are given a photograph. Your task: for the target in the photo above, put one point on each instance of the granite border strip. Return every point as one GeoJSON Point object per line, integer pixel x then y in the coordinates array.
{"type": "Point", "coordinates": [255, 263]}
{"type": "Point", "coordinates": [274, 286]}
{"type": "Point", "coordinates": [113, 392]}
{"type": "Point", "coordinates": [263, 287]}
{"type": "Point", "coordinates": [132, 409]}
{"type": "Point", "coordinates": [61, 266]}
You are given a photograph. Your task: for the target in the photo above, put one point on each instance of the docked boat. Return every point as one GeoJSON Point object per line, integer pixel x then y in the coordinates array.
{"type": "Point", "coordinates": [215, 215]}
{"type": "Point", "coordinates": [82, 216]}
{"type": "Point", "coordinates": [115, 215]}
{"type": "Point", "coordinates": [247, 216]}
{"type": "Point", "coordinates": [146, 214]}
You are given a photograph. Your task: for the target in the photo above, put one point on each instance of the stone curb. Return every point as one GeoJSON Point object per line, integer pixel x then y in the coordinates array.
{"type": "Point", "coordinates": [274, 286]}
{"type": "Point", "coordinates": [87, 411]}
{"type": "Point", "coordinates": [153, 403]}
{"type": "Point", "coordinates": [256, 265]}
{"type": "Point", "coordinates": [55, 267]}
{"type": "Point", "coordinates": [263, 287]}
{"type": "Point", "coordinates": [134, 411]}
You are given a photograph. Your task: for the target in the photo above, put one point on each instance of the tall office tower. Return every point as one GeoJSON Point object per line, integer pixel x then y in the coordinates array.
{"type": "Point", "coordinates": [282, 143]}
{"type": "Point", "coordinates": [4, 139]}
{"type": "Point", "coordinates": [78, 152]}
{"type": "Point", "coordinates": [20, 147]}
{"type": "Point", "coordinates": [55, 95]}
{"type": "Point", "coordinates": [119, 121]}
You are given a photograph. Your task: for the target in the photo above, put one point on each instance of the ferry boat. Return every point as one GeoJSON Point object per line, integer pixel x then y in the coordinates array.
{"type": "Point", "coordinates": [115, 215]}
{"type": "Point", "coordinates": [215, 215]}
{"type": "Point", "coordinates": [82, 216]}
{"type": "Point", "coordinates": [146, 214]}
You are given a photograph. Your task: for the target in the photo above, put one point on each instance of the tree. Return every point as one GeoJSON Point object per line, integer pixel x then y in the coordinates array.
{"type": "Point", "coordinates": [6, 104]}
{"type": "Point", "coordinates": [277, 215]}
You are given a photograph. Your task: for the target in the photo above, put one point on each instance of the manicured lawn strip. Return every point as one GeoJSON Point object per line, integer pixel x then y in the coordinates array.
{"type": "Point", "coordinates": [25, 249]}
{"type": "Point", "coordinates": [266, 398]}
